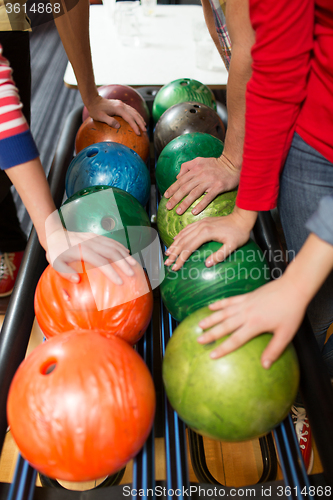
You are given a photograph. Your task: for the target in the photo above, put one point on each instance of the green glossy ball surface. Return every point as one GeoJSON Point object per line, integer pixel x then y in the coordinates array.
{"type": "Point", "coordinates": [194, 285]}
{"type": "Point", "coordinates": [184, 148]}
{"type": "Point", "coordinates": [108, 211]}
{"type": "Point", "coordinates": [232, 398]}
{"type": "Point", "coordinates": [169, 223]}
{"type": "Point", "coordinates": [181, 90]}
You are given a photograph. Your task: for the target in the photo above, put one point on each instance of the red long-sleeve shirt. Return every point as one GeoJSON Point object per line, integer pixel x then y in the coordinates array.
{"type": "Point", "coordinates": [291, 88]}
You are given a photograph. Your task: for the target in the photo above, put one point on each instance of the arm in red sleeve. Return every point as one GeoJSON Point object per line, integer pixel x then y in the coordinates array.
{"type": "Point", "coordinates": [281, 63]}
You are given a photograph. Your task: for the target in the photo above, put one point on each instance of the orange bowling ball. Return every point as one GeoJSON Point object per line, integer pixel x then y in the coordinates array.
{"type": "Point", "coordinates": [92, 132]}
{"type": "Point", "coordinates": [80, 406]}
{"type": "Point", "coordinates": [94, 303]}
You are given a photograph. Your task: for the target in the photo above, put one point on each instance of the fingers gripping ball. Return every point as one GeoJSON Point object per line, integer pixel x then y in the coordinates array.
{"type": "Point", "coordinates": [195, 285]}
{"type": "Point", "coordinates": [108, 211]}
{"type": "Point", "coordinates": [126, 94]}
{"type": "Point", "coordinates": [169, 223]}
{"type": "Point", "coordinates": [81, 406]}
{"type": "Point", "coordinates": [94, 303]}
{"type": "Point", "coordinates": [232, 398]}
{"type": "Point", "coordinates": [181, 149]}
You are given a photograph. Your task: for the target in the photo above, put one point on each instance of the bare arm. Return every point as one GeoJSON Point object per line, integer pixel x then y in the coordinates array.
{"type": "Point", "coordinates": [277, 307]}
{"type": "Point", "coordinates": [242, 38]}
{"type": "Point", "coordinates": [216, 175]}
{"type": "Point", "coordinates": [73, 28]}
{"type": "Point", "coordinates": [31, 184]}
{"type": "Point", "coordinates": [20, 160]}
{"type": "Point", "coordinates": [209, 18]}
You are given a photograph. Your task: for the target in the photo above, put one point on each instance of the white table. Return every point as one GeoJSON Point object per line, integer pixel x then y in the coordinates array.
{"type": "Point", "coordinates": [166, 51]}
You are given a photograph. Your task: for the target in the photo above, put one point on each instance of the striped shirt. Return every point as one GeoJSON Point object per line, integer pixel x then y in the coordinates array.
{"type": "Point", "coordinates": [218, 7]}
{"type": "Point", "coordinates": [16, 142]}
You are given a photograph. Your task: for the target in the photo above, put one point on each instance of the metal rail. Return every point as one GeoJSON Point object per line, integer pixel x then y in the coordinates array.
{"type": "Point", "coordinates": [202, 472]}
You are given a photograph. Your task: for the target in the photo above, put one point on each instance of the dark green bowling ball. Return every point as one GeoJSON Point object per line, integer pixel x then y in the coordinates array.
{"type": "Point", "coordinates": [232, 398]}
{"type": "Point", "coordinates": [181, 90]}
{"type": "Point", "coordinates": [110, 212]}
{"type": "Point", "coordinates": [169, 223]}
{"type": "Point", "coordinates": [195, 285]}
{"type": "Point", "coordinates": [180, 150]}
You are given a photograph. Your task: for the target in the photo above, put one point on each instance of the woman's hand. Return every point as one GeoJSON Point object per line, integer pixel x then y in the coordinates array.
{"type": "Point", "coordinates": [232, 230]}
{"type": "Point", "coordinates": [212, 176]}
{"type": "Point", "coordinates": [103, 110]}
{"type": "Point", "coordinates": [64, 247]}
{"type": "Point", "coordinates": [277, 307]}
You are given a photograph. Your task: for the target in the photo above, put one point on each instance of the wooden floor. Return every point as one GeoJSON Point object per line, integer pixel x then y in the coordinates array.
{"type": "Point", "coordinates": [232, 464]}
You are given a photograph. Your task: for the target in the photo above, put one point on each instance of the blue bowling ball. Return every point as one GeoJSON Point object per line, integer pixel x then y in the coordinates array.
{"type": "Point", "coordinates": [109, 164]}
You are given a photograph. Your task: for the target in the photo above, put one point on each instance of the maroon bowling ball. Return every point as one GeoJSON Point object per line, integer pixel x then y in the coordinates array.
{"type": "Point", "coordinates": [186, 118]}
{"type": "Point", "coordinates": [126, 94]}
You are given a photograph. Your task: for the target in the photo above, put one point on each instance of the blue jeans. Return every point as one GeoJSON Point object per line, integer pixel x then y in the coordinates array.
{"type": "Point", "coordinates": [307, 177]}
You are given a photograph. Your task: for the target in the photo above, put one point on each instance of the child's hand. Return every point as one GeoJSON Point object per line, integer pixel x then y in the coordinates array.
{"type": "Point", "coordinates": [103, 110]}
{"type": "Point", "coordinates": [64, 247]}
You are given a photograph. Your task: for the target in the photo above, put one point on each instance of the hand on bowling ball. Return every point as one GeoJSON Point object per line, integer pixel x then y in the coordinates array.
{"type": "Point", "coordinates": [212, 176]}
{"type": "Point", "coordinates": [102, 110]}
{"type": "Point", "coordinates": [267, 309]}
{"type": "Point", "coordinates": [64, 247]}
{"type": "Point", "coordinates": [277, 307]}
{"type": "Point", "coordinates": [231, 230]}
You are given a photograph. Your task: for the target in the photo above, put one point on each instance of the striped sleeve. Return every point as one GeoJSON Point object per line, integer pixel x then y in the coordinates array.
{"type": "Point", "coordinates": [218, 7]}
{"type": "Point", "coordinates": [16, 142]}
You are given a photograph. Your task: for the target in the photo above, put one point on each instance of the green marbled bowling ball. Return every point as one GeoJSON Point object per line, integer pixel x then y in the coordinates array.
{"type": "Point", "coordinates": [194, 285]}
{"type": "Point", "coordinates": [232, 398]}
{"type": "Point", "coordinates": [181, 90]}
{"type": "Point", "coordinates": [169, 223]}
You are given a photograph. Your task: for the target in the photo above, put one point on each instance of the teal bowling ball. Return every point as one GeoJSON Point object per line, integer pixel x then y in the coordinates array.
{"type": "Point", "coordinates": [232, 398]}
{"type": "Point", "coordinates": [108, 211]}
{"type": "Point", "coordinates": [109, 164]}
{"type": "Point", "coordinates": [181, 149]}
{"type": "Point", "coordinates": [181, 90]}
{"type": "Point", "coordinates": [194, 285]}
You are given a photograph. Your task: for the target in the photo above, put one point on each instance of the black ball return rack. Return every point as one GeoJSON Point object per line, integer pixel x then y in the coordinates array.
{"type": "Point", "coordinates": [315, 387]}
